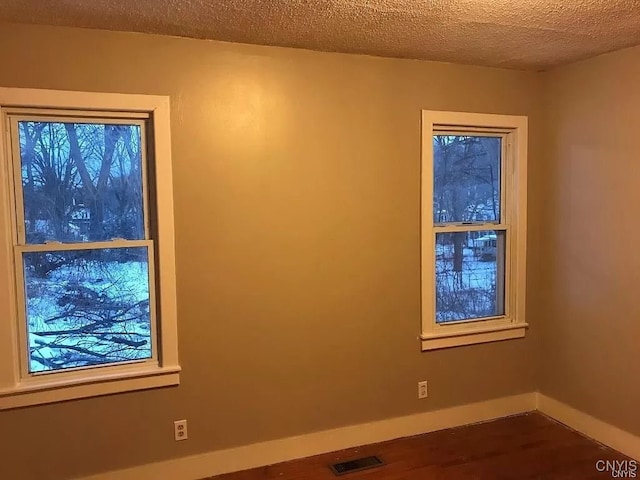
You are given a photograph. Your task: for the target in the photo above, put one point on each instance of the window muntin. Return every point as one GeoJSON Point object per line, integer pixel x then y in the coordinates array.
{"type": "Point", "coordinates": [84, 259]}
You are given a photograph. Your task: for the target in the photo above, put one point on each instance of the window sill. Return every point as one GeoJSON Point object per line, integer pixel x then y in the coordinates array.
{"type": "Point", "coordinates": [28, 393]}
{"type": "Point", "coordinates": [434, 341]}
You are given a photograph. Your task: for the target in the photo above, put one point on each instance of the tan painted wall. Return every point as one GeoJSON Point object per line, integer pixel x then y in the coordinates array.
{"type": "Point", "coordinates": [297, 179]}
{"type": "Point", "coordinates": [590, 353]}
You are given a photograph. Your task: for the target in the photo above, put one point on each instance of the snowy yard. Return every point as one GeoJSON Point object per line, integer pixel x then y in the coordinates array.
{"type": "Point", "coordinates": [88, 312]}
{"type": "Point", "coordinates": [468, 294]}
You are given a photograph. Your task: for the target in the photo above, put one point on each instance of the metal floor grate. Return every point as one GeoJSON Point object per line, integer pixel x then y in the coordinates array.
{"type": "Point", "coordinates": [356, 465]}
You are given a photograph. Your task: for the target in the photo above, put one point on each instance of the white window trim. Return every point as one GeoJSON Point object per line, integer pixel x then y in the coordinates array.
{"type": "Point", "coordinates": [512, 324]}
{"type": "Point", "coordinates": [18, 391]}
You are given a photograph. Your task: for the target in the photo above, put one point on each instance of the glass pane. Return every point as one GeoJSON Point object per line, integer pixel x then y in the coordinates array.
{"type": "Point", "coordinates": [81, 182]}
{"type": "Point", "coordinates": [466, 185]}
{"type": "Point", "coordinates": [469, 275]}
{"type": "Point", "coordinates": [87, 307]}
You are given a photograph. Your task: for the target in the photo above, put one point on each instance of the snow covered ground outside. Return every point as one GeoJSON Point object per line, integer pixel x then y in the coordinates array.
{"type": "Point", "coordinates": [469, 294]}
{"type": "Point", "coordinates": [88, 313]}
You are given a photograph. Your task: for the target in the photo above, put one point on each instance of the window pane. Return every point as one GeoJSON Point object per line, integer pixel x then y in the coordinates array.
{"type": "Point", "coordinates": [87, 307]}
{"type": "Point", "coordinates": [81, 182]}
{"type": "Point", "coordinates": [466, 184]}
{"type": "Point", "coordinates": [469, 275]}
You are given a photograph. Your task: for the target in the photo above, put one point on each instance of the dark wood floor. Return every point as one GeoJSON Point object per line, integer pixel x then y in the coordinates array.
{"type": "Point", "coordinates": [528, 446]}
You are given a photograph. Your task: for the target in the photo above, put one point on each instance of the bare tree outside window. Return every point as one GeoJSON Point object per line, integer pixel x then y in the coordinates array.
{"type": "Point", "coordinates": [81, 182]}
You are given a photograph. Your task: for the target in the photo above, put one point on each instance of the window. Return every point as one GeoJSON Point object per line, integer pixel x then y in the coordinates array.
{"type": "Point", "coordinates": [89, 306]}
{"type": "Point", "coordinates": [473, 228]}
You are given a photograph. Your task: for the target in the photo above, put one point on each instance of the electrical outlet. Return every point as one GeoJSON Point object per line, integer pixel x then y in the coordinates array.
{"type": "Point", "coordinates": [180, 430]}
{"type": "Point", "coordinates": [422, 389]}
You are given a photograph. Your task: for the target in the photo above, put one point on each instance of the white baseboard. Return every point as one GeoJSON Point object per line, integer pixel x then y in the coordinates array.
{"type": "Point", "coordinates": [275, 451]}
{"type": "Point", "coordinates": [598, 430]}
{"type": "Point", "coordinates": [267, 453]}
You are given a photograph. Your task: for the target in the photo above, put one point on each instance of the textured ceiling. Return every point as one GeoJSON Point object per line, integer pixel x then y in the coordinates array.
{"type": "Point", "coordinates": [522, 34]}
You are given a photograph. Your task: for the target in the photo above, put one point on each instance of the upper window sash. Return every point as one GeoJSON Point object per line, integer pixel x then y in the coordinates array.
{"type": "Point", "coordinates": [44, 120]}
{"type": "Point", "coordinates": [455, 147]}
